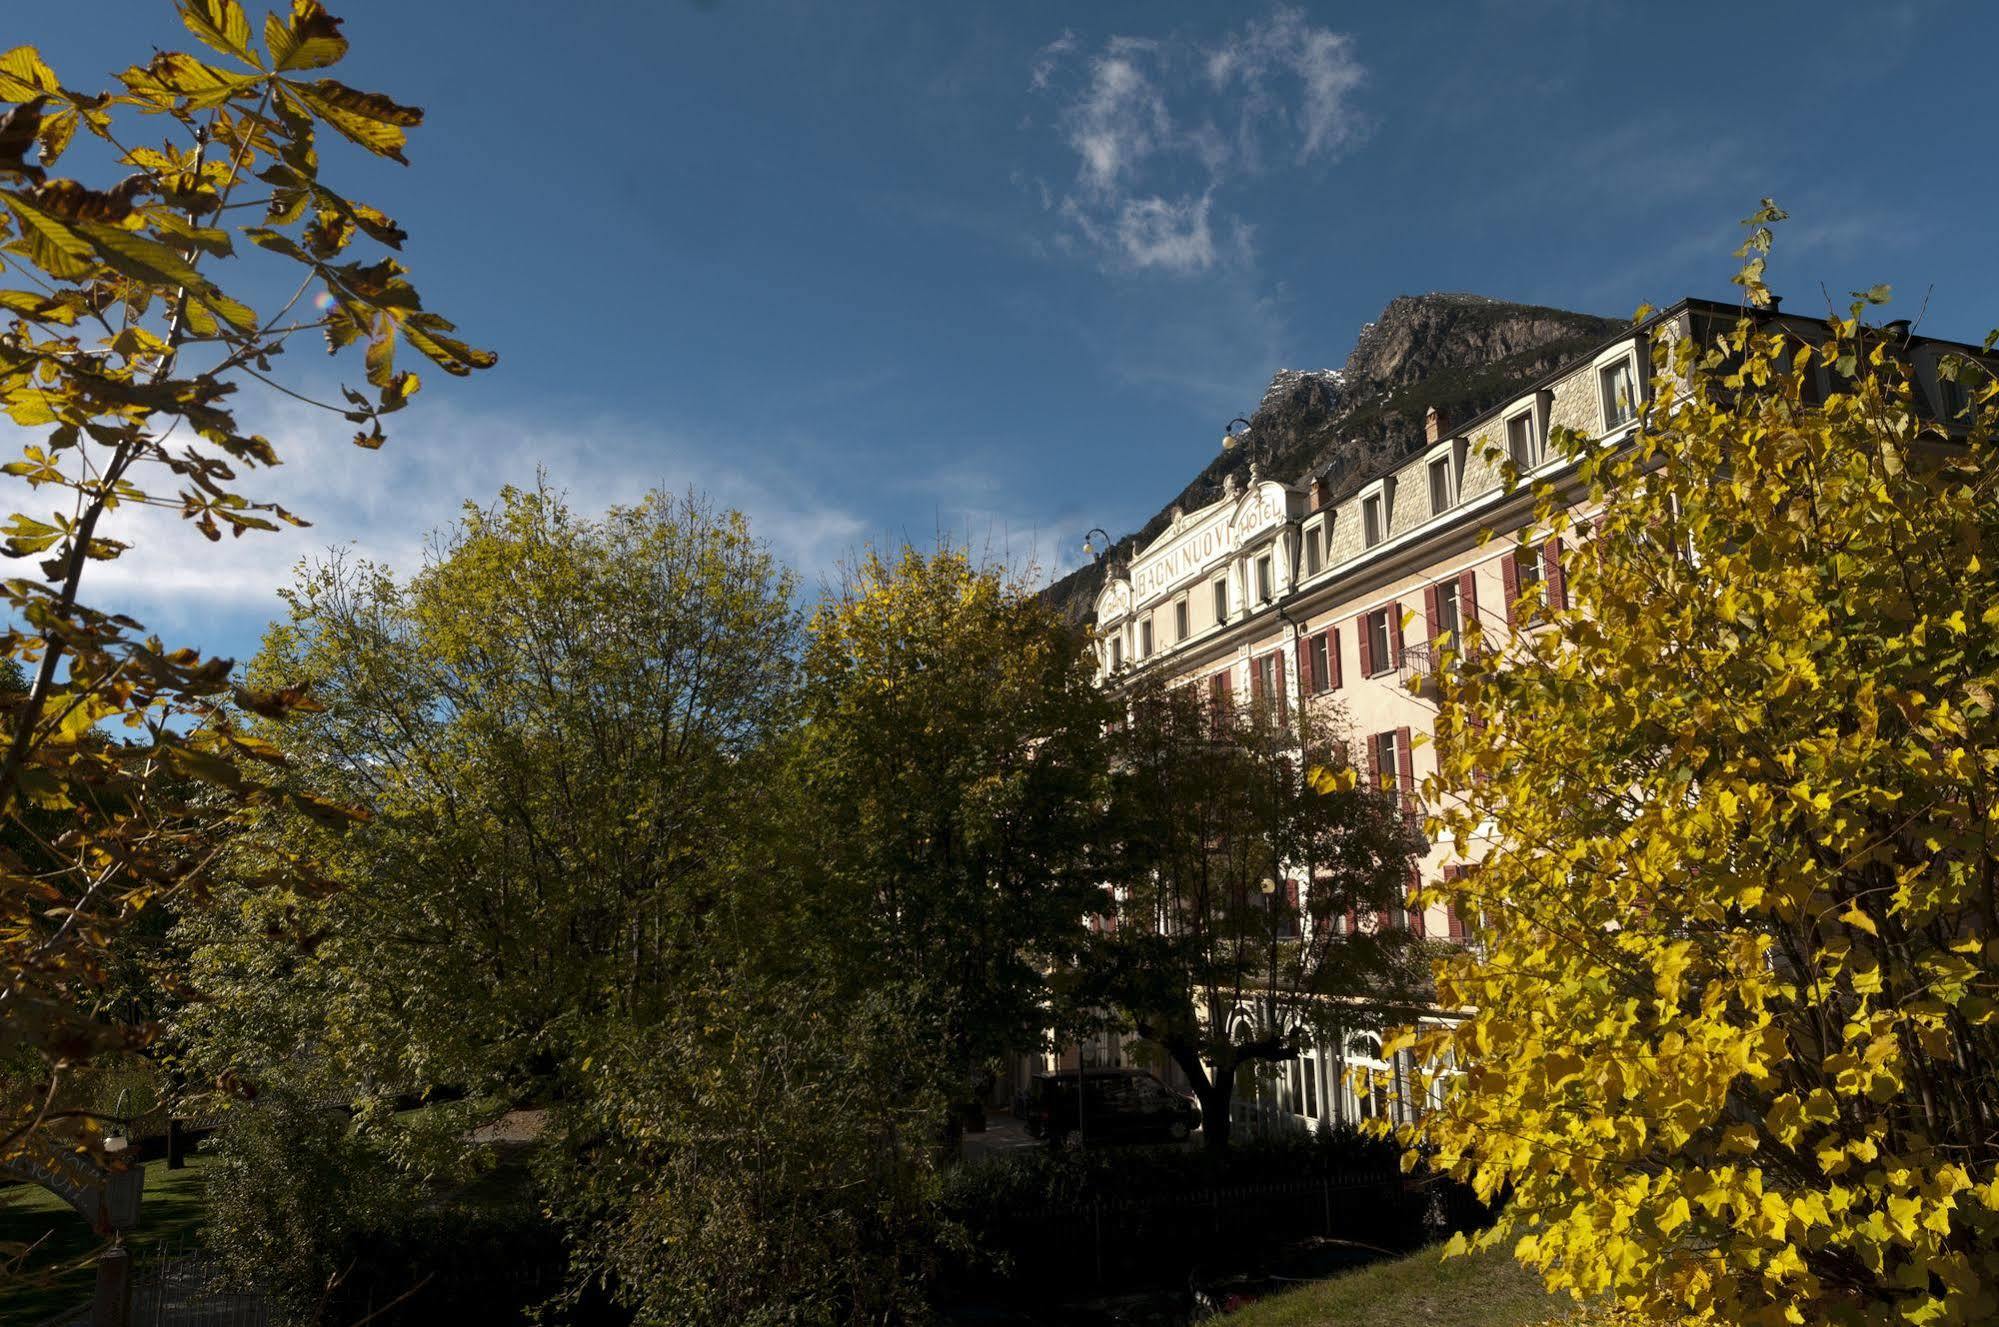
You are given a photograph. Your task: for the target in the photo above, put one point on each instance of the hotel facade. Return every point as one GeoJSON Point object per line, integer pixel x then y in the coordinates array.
{"type": "Point", "coordinates": [1305, 596]}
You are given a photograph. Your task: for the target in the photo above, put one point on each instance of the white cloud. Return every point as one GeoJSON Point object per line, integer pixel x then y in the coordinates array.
{"type": "Point", "coordinates": [1159, 129]}
{"type": "Point", "coordinates": [383, 505]}
{"type": "Point", "coordinates": [1047, 58]}
{"type": "Point", "coordinates": [1159, 232]}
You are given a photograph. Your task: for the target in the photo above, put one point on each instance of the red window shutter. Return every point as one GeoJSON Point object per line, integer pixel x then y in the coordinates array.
{"type": "Point", "coordinates": [1467, 603]}
{"type": "Point", "coordinates": [1333, 656]}
{"type": "Point", "coordinates": [1304, 653]}
{"type": "Point", "coordinates": [1551, 565]}
{"type": "Point", "coordinates": [1430, 614]}
{"type": "Point", "coordinates": [1509, 573]}
{"type": "Point", "coordinates": [1395, 635]}
{"type": "Point", "coordinates": [1255, 683]}
{"type": "Point", "coordinates": [1366, 646]}
{"type": "Point", "coordinates": [1277, 672]}
{"type": "Point", "coordinates": [1405, 769]}
{"type": "Point", "coordinates": [1291, 926]}
{"type": "Point", "coordinates": [1384, 921]}
{"type": "Point", "coordinates": [1353, 921]}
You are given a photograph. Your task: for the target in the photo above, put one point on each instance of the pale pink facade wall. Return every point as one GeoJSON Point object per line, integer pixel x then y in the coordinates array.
{"type": "Point", "coordinates": [1419, 548]}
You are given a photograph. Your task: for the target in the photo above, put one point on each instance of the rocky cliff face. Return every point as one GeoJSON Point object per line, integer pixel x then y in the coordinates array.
{"type": "Point", "coordinates": [1460, 353]}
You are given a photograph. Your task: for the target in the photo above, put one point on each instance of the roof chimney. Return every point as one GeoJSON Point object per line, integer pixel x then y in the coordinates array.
{"type": "Point", "coordinates": [1322, 492]}
{"type": "Point", "coordinates": [1434, 422]}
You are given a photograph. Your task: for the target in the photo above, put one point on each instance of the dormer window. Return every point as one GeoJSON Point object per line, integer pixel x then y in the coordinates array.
{"type": "Point", "coordinates": [1523, 442]}
{"type": "Point", "coordinates": [1314, 549]}
{"type": "Point", "coordinates": [1376, 512]}
{"type": "Point", "coordinates": [1618, 382]}
{"type": "Point", "coordinates": [1441, 495]}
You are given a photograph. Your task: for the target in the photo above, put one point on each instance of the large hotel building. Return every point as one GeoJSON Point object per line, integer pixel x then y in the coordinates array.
{"type": "Point", "coordinates": [1297, 593]}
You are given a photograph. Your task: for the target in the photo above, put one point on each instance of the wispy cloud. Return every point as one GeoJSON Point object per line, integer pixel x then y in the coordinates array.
{"type": "Point", "coordinates": [383, 505]}
{"type": "Point", "coordinates": [1159, 127]}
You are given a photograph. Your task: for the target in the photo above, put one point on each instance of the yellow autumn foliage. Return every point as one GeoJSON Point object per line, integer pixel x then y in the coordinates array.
{"type": "Point", "coordinates": [1729, 1051]}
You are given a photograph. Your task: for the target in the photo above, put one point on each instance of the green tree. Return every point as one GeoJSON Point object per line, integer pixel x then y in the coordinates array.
{"type": "Point", "coordinates": [1730, 1043]}
{"type": "Point", "coordinates": [557, 728]}
{"type": "Point", "coordinates": [760, 1153]}
{"type": "Point", "coordinates": [1217, 957]}
{"type": "Point", "coordinates": [121, 353]}
{"type": "Point", "coordinates": [949, 779]}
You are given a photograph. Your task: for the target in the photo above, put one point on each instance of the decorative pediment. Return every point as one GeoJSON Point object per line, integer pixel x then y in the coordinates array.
{"type": "Point", "coordinates": [1197, 541]}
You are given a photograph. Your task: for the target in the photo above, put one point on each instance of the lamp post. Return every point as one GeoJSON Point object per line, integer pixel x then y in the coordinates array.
{"type": "Point", "coordinates": [1229, 435]}
{"type": "Point", "coordinates": [1091, 546]}
{"type": "Point", "coordinates": [1269, 888]}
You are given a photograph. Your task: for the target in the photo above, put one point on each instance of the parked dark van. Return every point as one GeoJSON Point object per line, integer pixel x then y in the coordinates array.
{"type": "Point", "coordinates": [1108, 1106]}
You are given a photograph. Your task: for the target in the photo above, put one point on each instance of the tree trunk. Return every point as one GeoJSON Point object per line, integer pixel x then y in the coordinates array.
{"type": "Point", "coordinates": [1212, 1091]}
{"type": "Point", "coordinates": [1216, 1123]}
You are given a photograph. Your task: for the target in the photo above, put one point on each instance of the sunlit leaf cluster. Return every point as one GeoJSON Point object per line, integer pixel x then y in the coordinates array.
{"type": "Point", "coordinates": [128, 327]}
{"type": "Point", "coordinates": [1730, 1048]}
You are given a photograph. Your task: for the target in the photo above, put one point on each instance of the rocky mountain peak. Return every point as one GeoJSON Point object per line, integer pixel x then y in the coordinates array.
{"type": "Point", "coordinates": [1460, 353]}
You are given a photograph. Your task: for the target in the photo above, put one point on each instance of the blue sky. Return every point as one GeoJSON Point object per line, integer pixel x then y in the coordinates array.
{"type": "Point", "coordinates": [870, 271]}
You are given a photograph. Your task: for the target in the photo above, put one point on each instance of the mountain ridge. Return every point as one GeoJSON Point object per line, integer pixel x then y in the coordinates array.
{"type": "Point", "coordinates": [1461, 353]}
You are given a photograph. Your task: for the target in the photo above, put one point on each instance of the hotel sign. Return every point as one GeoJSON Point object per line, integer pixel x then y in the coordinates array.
{"type": "Point", "coordinates": [1185, 554]}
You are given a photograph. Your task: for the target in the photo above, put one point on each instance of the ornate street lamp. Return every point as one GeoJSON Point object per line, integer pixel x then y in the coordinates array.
{"type": "Point", "coordinates": [1229, 435]}
{"type": "Point", "coordinates": [1092, 548]}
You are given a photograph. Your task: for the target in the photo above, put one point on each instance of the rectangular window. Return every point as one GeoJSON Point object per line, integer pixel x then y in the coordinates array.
{"type": "Point", "coordinates": [1372, 525]}
{"type": "Point", "coordinates": [1221, 601]}
{"type": "Point", "coordinates": [1620, 394]}
{"type": "Point", "coordinates": [1531, 577]}
{"type": "Point", "coordinates": [1264, 588]}
{"type": "Point", "coordinates": [1313, 554]}
{"type": "Point", "coordinates": [1180, 631]}
{"type": "Point", "coordinates": [1447, 610]}
{"type": "Point", "coordinates": [1377, 642]}
{"type": "Point", "coordinates": [1266, 679]}
{"type": "Point", "coordinates": [1145, 637]}
{"type": "Point", "coordinates": [1311, 1089]}
{"type": "Point", "coordinates": [1320, 653]}
{"type": "Point", "coordinates": [1117, 652]}
{"type": "Point", "coordinates": [1440, 486]}
{"type": "Point", "coordinates": [1960, 394]}
{"type": "Point", "coordinates": [1523, 444]}
{"type": "Point", "coordinates": [1385, 757]}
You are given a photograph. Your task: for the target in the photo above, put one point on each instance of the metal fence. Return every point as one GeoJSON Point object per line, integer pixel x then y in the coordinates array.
{"type": "Point", "coordinates": [1118, 1241]}
{"type": "Point", "coordinates": [186, 1288]}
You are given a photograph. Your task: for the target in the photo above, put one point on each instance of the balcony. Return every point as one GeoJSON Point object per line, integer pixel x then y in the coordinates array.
{"type": "Point", "coordinates": [1419, 669]}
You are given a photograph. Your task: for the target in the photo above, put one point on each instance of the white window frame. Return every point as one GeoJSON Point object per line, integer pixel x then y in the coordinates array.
{"type": "Point", "coordinates": [1145, 636]}
{"type": "Point", "coordinates": [1450, 584]}
{"type": "Point", "coordinates": [1387, 762]}
{"type": "Point", "coordinates": [1264, 570]}
{"type": "Point", "coordinates": [1380, 658]}
{"type": "Point", "coordinates": [1317, 546]}
{"type": "Point", "coordinates": [1536, 443]}
{"type": "Point", "coordinates": [1625, 354]}
{"type": "Point", "coordinates": [1441, 458]}
{"type": "Point", "coordinates": [1382, 493]}
{"type": "Point", "coordinates": [1218, 589]}
{"type": "Point", "coordinates": [1265, 665]}
{"type": "Point", "coordinates": [1183, 619]}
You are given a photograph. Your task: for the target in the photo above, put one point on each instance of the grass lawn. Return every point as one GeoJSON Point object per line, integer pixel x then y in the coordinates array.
{"type": "Point", "coordinates": [1422, 1290]}
{"type": "Point", "coordinates": [61, 1275]}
